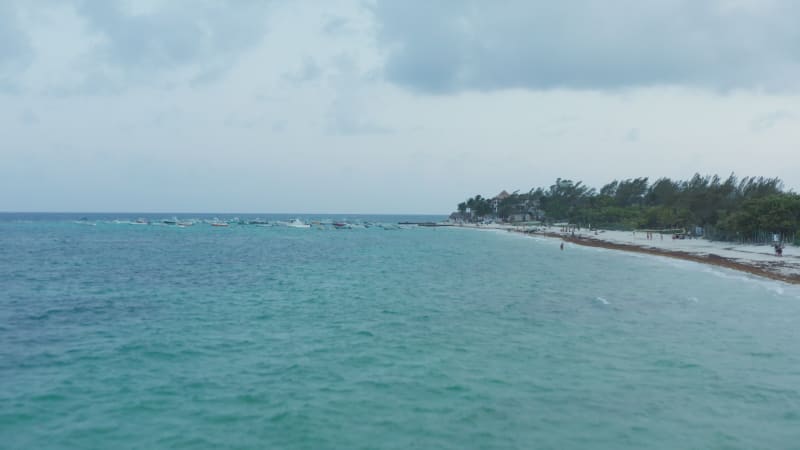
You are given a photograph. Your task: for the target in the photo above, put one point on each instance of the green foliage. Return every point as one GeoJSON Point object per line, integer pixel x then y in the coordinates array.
{"type": "Point", "coordinates": [479, 206]}
{"type": "Point", "coordinates": [778, 213]}
{"type": "Point", "coordinates": [733, 207]}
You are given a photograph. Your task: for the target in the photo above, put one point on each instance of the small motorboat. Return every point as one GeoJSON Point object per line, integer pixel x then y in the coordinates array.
{"type": "Point", "coordinates": [297, 223]}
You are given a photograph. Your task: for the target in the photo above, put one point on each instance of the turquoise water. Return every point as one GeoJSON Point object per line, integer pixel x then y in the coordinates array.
{"type": "Point", "coordinates": [125, 336]}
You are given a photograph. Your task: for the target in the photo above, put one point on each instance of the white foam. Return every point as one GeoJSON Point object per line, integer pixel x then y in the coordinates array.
{"type": "Point", "coordinates": [776, 289]}
{"type": "Point", "coordinates": [602, 300]}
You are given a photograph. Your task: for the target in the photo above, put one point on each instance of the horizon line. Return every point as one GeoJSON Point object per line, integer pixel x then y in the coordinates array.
{"type": "Point", "coordinates": [217, 212]}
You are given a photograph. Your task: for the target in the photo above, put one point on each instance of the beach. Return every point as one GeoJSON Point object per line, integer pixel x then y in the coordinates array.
{"type": "Point", "coordinates": [759, 260]}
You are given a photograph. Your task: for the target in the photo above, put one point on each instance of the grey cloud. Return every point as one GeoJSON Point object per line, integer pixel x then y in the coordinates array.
{"type": "Point", "coordinates": [309, 71]}
{"type": "Point", "coordinates": [769, 120]}
{"type": "Point", "coordinates": [240, 119]}
{"type": "Point", "coordinates": [28, 117]}
{"type": "Point", "coordinates": [347, 125]}
{"type": "Point", "coordinates": [15, 49]}
{"type": "Point", "coordinates": [95, 80]}
{"type": "Point", "coordinates": [348, 112]}
{"type": "Point", "coordinates": [347, 117]}
{"type": "Point", "coordinates": [279, 126]}
{"type": "Point", "coordinates": [14, 45]}
{"type": "Point", "coordinates": [176, 34]}
{"type": "Point", "coordinates": [449, 46]}
{"type": "Point", "coordinates": [335, 25]}
{"type": "Point", "coordinates": [175, 43]}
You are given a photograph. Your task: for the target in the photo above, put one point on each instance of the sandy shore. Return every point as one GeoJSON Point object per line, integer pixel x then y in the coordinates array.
{"type": "Point", "coordinates": [757, 260]}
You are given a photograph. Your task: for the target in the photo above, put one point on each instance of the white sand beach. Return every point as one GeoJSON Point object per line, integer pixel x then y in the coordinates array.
{"type": "Point", "coordinates": [755, 259]}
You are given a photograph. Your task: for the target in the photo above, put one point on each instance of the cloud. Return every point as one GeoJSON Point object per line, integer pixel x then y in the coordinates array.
{"type": "Point", "coordinates": [448, 46]}
{"type": "Point", "coordinates": [766, 121]}
{"type": "Point", "coordinates": [15, 49]}
{"type": "Point", "coordinates": [101, 47]}
{"type": "Point", "coordinates": [28, 117]}
{"type": "Point", "coordinates": [349, 125]}
{"type": "Point", "coordinates": [310, 71]}
{"type": "Point", "coordinates": [335, 25]}
{"type": "Point", "coordinates": [201, 37]}
{"type": "Point", "coordinates": [349, 112]}
{"type": "Point", "coordinates": [348, 115]}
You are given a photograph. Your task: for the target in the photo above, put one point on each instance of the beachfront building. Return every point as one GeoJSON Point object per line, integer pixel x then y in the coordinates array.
{"type": "Point", "coordinates": [506, 207]}
{"type": "Point", "coordinates": [498, 199]}
{"type": "Point", "coordinates": [564, 184]}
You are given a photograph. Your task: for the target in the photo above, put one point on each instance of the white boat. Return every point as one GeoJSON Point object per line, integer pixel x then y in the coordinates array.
{"type": "Point", "coordinates": [297, 223]}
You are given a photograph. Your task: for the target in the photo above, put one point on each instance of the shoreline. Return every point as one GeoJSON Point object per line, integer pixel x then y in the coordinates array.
{"type": "Point", "coordinates": [710, 259]}
{"type": "Point", "coordinates": [758, 266]}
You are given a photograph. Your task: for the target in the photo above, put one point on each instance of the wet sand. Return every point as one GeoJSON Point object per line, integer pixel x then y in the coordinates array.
{"type": "Point", "coordinates": [756, 260]}
{"type": "Point", "coordinates": [759, 268]}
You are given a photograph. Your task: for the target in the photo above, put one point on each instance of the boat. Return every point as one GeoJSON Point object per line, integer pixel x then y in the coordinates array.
{"type": "Point", "coordinates": [297, 223]}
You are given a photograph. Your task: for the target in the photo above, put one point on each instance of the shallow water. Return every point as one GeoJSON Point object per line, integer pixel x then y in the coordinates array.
{"type": "Point", "coordinates": [123, 336]}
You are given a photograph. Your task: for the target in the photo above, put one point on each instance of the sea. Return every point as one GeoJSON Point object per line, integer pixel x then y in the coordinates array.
{"type": "Point", "coordinates": [121, 335]}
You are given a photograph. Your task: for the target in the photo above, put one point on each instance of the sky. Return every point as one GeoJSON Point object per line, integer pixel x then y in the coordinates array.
{"type": "Point", "coordinates": [384, 106]}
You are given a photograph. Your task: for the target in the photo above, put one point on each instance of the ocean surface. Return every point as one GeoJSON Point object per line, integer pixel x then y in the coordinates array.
{"type": "Point", "coordinates": [118, 335]}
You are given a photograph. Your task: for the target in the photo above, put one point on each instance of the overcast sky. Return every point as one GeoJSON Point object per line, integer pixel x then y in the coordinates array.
{"type": "Point", "coordinates": [384, 106]}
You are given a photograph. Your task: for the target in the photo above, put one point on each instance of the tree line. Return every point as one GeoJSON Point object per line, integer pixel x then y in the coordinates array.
{"type": "Point", "coordinates": [731, 209]}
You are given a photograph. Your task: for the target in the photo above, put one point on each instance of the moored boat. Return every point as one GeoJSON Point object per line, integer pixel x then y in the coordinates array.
{"type": "Point", "coordinates": [297, 223]}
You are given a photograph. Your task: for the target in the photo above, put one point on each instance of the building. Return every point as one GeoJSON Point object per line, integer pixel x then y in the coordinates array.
{"type": "Point", "coordinates": [499, 198]}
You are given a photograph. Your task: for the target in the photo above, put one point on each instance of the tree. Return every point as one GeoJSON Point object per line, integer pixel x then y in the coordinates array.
{"type": "Point", "coordinates": [731, 207]}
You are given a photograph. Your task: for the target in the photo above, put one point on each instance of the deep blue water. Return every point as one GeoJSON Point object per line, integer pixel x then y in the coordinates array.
{"type": "Point", "coordinates": [130, 336]}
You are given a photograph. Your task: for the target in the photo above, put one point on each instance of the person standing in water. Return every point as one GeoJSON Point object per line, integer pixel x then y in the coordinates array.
{"type": "Point", "coordinates": [562, 246]}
